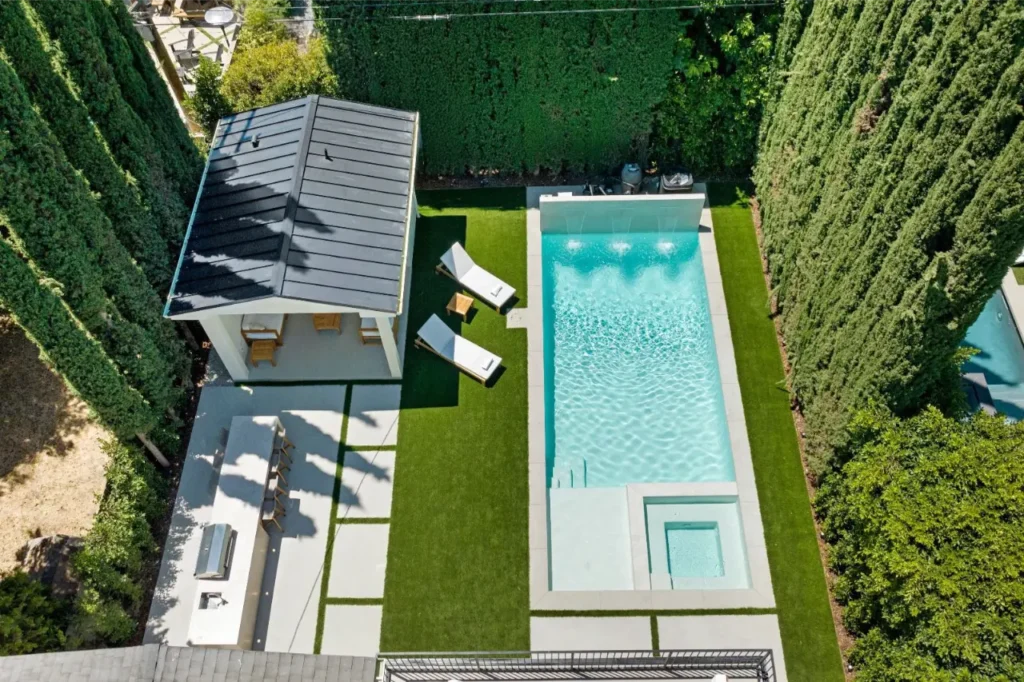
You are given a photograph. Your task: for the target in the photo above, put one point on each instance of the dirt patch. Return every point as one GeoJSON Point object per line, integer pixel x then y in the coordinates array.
{"type": "Point", "coordinates": [51, 466]}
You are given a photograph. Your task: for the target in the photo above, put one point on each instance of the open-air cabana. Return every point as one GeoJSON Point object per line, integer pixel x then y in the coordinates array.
{"type": "Point", "coordinates": [298, 255]}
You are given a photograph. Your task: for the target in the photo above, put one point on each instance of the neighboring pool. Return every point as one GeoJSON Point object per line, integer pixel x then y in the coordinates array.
{"type": "Point", "coordinates": [632, 396]}
{"type": "Point", "coordinates": [633, 391]}
{"type": "Point", "coordinates": [1000, 357]}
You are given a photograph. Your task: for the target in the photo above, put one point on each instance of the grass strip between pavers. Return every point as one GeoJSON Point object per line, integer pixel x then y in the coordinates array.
{"type": "Point", "coordinates": [321, 611]}
{"type": "Point", "coordinates": [458, 552]}
{"type": "Point", "coordinates": [651, 612]}
{"type": "Point", "coordinates": [798, 579]}
{"type": "Point", "coordinates": [370, 520]}
{"type": "Point", "coordinates": [353, 601]}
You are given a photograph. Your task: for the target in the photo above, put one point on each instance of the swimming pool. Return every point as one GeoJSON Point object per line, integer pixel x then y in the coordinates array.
{"type": "Point", "coordinates": [1000, 357]}
{"type": "Point", "coordinates": [633, 396]}
{"type": "Point", "coordinates": [634, 393]}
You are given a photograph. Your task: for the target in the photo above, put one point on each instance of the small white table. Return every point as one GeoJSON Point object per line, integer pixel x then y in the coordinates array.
{"type": "Point", "coordinates": [224, 613]}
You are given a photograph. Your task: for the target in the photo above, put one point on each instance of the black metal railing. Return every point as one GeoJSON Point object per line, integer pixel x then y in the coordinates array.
{"type": "Point", "coordinates": [686, 664]}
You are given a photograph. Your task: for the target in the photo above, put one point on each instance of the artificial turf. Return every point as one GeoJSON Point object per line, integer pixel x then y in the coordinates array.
{"type": "Point", "coordinates": [457, 577]}
{"type": "Point", "coordinates": [805, 619]}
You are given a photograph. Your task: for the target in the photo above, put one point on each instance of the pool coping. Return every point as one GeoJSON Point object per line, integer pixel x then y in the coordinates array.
{"type": "Point", "coordinates": [760, 594]}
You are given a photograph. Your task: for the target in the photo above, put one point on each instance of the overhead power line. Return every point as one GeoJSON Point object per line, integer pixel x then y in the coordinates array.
{"type": "Point", "coordinates": [460, 15]}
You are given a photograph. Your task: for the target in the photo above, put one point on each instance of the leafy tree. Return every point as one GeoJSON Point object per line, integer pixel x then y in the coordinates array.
{"type": "Point", "coordinates": [709, 118]}
{"type": "Point", "coordinates": [263, 23]}
{"type": "Point", "coordinates": [207, 105]}
{"type": "Point", "coordinates": [276, 72]}
{"type": "Point", "coordinates": [31, 619]}
{"type": "Point", "coordinates": [926, 524]}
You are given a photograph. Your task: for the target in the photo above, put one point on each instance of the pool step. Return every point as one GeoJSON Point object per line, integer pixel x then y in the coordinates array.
{"type": "Point", "coordinates": [570, 475]}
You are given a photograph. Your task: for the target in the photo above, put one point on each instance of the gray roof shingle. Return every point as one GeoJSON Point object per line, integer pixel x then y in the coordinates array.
{"type": "Point", "coordinates": [307, 199]}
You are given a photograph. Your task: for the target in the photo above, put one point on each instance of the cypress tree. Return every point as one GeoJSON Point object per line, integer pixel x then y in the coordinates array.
{"type": "Point", "coordinates": [885, 226]}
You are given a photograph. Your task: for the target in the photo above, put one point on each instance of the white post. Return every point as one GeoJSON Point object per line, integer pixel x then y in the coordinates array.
{"type": "Point", "coordinates": [387, 341]}
{"type": "Point", "coordinates": [228, 348]}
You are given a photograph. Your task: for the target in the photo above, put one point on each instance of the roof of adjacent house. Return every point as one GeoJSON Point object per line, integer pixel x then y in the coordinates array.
{"type": "Point", "coordinates": [306, 200]}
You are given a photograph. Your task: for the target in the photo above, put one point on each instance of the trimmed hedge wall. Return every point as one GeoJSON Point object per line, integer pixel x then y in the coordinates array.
{"type": "Point", "coordinates": [93, 205]}
{"type": "Point", "coordinates": [36, 59]}
{"type": "Point", "coordinates": [891, 180]}
{"type": "Point", "coordinates": [578, 92]}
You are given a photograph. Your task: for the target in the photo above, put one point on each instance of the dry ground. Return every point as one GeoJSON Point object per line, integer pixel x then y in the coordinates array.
{"type": "Point", "coordinates": [51, 466]}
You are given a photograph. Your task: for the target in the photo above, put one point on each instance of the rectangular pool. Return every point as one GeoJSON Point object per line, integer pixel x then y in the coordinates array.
{"type": "Point", "coordinates": [632, 386]}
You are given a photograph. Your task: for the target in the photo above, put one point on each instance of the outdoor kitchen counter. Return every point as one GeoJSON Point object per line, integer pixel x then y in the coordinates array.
{"type": "Point", "coordinates": [228, 619]}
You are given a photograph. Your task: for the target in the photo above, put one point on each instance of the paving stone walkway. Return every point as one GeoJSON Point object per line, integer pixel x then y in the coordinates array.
{"type": "Point", "coordinates": [358, 561]}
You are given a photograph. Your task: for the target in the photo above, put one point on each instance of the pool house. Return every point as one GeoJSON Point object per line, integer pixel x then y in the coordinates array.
{"type": "Point", "coordinates": [298, 255]}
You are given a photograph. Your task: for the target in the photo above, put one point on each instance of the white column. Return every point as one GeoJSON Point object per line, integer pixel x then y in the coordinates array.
{"type": "Point", "coordinates": [229, 348]}
{"type": "Point", "coordinates": [387, 340]}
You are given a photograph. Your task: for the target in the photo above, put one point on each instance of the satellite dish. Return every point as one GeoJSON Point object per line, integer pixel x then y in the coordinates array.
{"type": "Point", "coordinates": [219, 16]}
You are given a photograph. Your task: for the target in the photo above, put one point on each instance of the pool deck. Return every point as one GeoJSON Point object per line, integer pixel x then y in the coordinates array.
{"type": "Point", "coordinates": [542, 597]}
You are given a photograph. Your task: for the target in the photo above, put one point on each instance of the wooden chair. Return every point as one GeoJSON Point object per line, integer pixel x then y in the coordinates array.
{"type": "Point", "coordinates": [190, 48]}
{"type": "Point", "coordinates": [272, 511]}
{"type": "Point", "coordinates": [262, 350]}
{"type": "Point", "coordinates": [276, 489]}
{"type": "Point", "coordinates": [327, 322]}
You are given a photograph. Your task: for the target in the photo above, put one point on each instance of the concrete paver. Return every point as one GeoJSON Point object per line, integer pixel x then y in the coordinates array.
{"type": "Point", "coordinates": [589, 634]}
{"type": "Point", "coordinates": [358, 560]}
{"type": "Point", "coordinates": [373, 416]}
{"type": "Point", "coordinates": [724, 632]}
{"type": "Point", "coordinates": [367, 482]}
{"type": "Point", "coordinates": [352, 630]}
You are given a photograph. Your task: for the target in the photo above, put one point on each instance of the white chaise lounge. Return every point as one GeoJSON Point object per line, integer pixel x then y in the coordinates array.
{"type": "Point", "coordinates": [438, 338]}
{"type": "Point", "coordinates": [458, 265]}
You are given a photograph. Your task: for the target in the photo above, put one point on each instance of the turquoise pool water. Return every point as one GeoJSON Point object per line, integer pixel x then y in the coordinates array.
{"type": "Point", "coordinates": [694, 550]}
{"type": "Point", "coordinates": [631, 373]}
{"type": "Point", "coordinates": [1000, 357]}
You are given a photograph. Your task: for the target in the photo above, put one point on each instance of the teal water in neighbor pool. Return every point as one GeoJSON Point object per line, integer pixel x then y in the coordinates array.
{"type": "Point", "coordinates": [633, 389]}
{"type": "Point", "coordinates": [1000, 357]}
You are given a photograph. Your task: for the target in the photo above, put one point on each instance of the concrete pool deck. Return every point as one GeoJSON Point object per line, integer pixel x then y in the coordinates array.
{"type": "Point", "coordinates": [542, 597]}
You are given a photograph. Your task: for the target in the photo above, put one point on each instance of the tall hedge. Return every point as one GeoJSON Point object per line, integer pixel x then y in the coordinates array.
{"type": "Point", "coordinates": [891, 181]}
{"type": "Point", "coordinates": [561, 92]}
{"type": "Point", "coordinates": [131, 137]}
{"type": "Point", "coordinates": [38, 63]}
{"type": "Point", "coordinates": [51, 217]}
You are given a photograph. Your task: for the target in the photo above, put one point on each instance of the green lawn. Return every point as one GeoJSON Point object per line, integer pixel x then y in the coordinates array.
{"type": "Point", "coordinates": [808, 636]}
{"type": "Point", "coordinates": [457, 575]}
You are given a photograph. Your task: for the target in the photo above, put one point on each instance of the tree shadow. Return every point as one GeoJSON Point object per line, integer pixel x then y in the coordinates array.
{"type": "Point", "coordinates": [39, 416]}
{"type": "Point", "coordinates": [428, 380]}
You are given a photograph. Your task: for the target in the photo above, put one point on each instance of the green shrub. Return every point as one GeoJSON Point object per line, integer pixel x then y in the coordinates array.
{"type": "Point", "coordinates": [117, 549]}
{"type": "Point", "coordinates": [207, 105]}
{"type": "Point", "coordinates": [526, 92]}
{"type": "Point", "coordinates": [926, 524]}
{"type": "Point", "coordinates": [31, 619]}
{"type": "Point", "coordinates": [276, 72]}
{"type": "Point", "coordinates": [709, 118]}
{"type": "Point", "coordinates": [262, 24]}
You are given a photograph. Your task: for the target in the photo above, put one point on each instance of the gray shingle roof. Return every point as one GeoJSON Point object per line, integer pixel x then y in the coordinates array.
{"type": "Point", "coordinates": [307, 200]}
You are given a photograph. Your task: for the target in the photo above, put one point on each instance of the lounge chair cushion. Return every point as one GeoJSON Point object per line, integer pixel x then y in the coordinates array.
{"type": "Point", "coordinates": [473, 277]}
{"type": "Point", "coordinates": [458, 350]}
